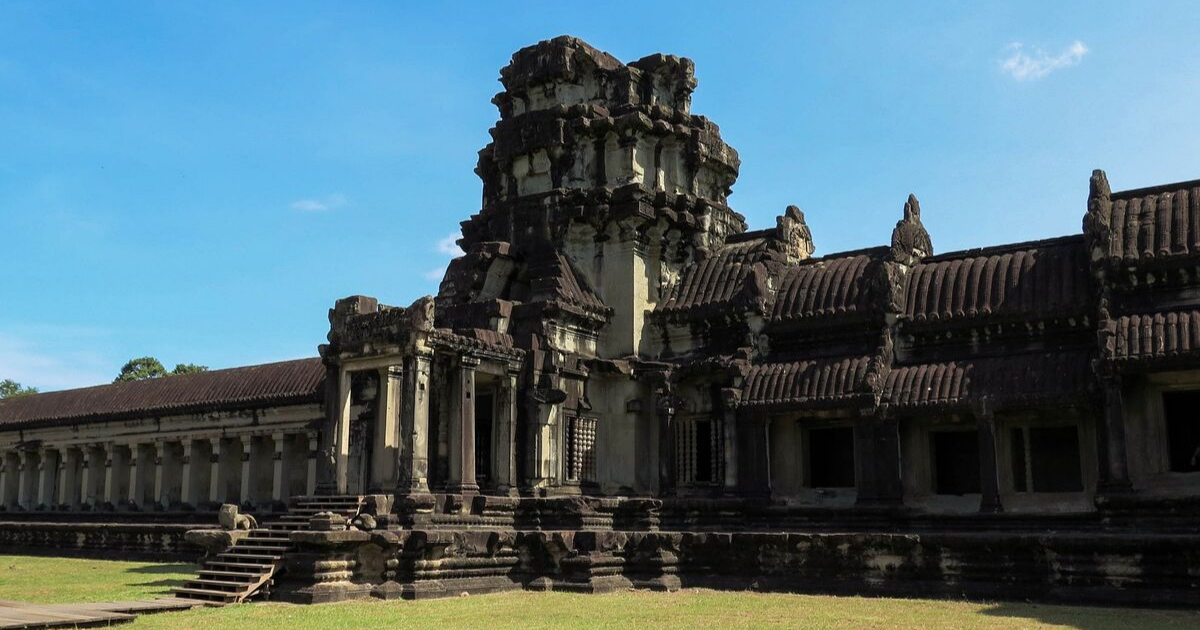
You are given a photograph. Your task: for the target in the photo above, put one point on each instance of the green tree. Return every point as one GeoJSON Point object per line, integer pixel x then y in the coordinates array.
{"type": "Point", "coordinates": [11, 389]}
{"type": "Point", "coordinates": [140, 369]}
{"type": "Point", "coordinates": [188, 368]}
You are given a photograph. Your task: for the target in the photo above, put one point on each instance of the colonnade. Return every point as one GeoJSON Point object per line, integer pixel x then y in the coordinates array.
{"type": "Point", "coordinates": [195, 472]}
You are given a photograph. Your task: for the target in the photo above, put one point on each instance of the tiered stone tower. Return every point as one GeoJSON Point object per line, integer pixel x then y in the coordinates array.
{"type": "Point", "coordinates": [604, 162]}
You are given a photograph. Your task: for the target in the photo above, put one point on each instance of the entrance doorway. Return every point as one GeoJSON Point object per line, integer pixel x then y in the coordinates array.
{"type": "Point", "coordinates": [364, 406]}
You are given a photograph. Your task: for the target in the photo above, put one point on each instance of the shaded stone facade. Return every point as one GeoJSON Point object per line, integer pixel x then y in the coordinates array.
{"type": "Point", "coordinates": [618, 368]}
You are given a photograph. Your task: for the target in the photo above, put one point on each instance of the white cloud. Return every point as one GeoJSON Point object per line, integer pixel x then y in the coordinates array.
{"type": "Point", "coordinates": [435, 275]}
{"type": "Point", "coordinates": [34, 364]}
{"type": "Point", "coordinates": [328, 202]}
{"type": "Point", "coordinates": [1033, 63]}
{"type": "Point", "coordinates": [448, 246]}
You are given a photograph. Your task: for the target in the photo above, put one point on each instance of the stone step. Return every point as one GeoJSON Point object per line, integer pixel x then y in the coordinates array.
{"type": "Point", "coordinates": [250, 577]}
{"type": "Point", "coordinates": [272, 549]}
{"type": "Point", "coordinates": [256, 541]}
{"type": "Point", "coordinates": [257, 569]}
{"type": "Point", "coordinates": [217, 585]}
{"type": "Point", "coordinates": [258, 558]}
{"type": "Point", "coordinates": [205, 595]}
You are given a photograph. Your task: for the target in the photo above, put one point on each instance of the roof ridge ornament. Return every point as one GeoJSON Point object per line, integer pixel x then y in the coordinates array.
{"type": "Point", "coordinates": [910, 240]}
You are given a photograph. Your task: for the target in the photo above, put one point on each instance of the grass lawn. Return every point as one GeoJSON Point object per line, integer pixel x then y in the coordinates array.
{"type": "Point", "coordinates": [66, 580]}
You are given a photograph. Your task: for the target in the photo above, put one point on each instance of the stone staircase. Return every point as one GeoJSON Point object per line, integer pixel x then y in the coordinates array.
{"type": "Point", "coordinates": [249, 567]}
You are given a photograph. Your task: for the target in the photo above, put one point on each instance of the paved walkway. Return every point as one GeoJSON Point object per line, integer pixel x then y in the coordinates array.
{"type": "Point", "coordinates": [14, 615]}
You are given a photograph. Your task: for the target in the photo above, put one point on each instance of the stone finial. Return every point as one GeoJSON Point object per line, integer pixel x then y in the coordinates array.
{"type": "Point", "coordinates": [1097, 222]}
{"type": "Point", "coordinates": [793, 231]}
{"type": "Point", "coordinates": [910, 241]}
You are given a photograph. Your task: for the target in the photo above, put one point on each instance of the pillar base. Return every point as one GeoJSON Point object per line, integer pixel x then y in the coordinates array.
{"type": "Point", "coordinates": [462, 488]}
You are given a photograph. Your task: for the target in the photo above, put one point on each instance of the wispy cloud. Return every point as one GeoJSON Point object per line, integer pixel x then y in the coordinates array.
{"type": "Point", "coordinates": [1031, 63]}
{"type": "Point", "coordinates": [36, 364]}
{"type": "Point", "coordinates": [436, 274]}
{"type": "Point", "coordinates": [448, 246]}
{"type": "Point", "coordinates": [321, 204]}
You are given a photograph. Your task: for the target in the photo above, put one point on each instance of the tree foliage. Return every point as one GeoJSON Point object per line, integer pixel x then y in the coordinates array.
{"type": "Point", "coordinates": [140, 369]}
{"type": "Point", "coordinates": [11, 389]}
{"type": "Point", "coordinates": [143, 368]}
{"type": "Point", "coordinates": [188, 368]}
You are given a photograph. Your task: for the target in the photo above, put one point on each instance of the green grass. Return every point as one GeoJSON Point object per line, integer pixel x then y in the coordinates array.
{"type": "Point", "coordinates": [66, 580]}
{"type": "Point", "coordinates": [49, 580]}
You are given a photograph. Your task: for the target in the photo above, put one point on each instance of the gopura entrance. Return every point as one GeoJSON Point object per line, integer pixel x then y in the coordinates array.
{"type": "Point", "coordinates": [414, 410]}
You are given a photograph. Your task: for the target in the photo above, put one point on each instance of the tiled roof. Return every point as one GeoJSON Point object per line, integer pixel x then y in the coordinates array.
{"type": "Point", "coordinates": [1046, 376]}
{"type": "Point", "coordinates": [814, 381]}
{"type": "Point", "coordinates": [722, 278]}
{"type": "Point", "coordinates": [1158, 222]}
{"type": "Point", "coordinates": [1157, 335]}
{"type": "Point", "coordinates": [288, 382]}
{"type": "Point", "coordinates": [834, 285]}
{"type": "Point", "coordinates": [554, 277]}
{"type": "Point", "coordinates": [1046, 278]}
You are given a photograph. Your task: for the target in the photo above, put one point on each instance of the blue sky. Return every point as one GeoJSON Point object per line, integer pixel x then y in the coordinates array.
{"type": "Point", "coordinates": [200, 181]}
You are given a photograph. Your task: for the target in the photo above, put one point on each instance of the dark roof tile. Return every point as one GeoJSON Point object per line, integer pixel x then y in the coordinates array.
{"type": "Point", "coordinates": [287, 382]}
{"type": "Point", "coordinates": [1046, 279]}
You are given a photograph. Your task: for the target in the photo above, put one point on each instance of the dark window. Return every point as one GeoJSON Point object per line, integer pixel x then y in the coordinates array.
{"type": "Point", "coordinates": [831, 458]}
{"type": "Point", "coordinates": [1019, 470]}
{"type": "Point", "coordinates": [704, 451]}
{"type": "Point", "coordinates": [956, 462]}
{"type": "Point", "coordinates": [1046, 459]}
{"type": "Point", "coordinates": [1182, 413]}
{"type": "Point", "coordinates": [484, 409]}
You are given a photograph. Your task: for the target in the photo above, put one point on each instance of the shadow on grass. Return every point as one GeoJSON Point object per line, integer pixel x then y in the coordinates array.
{"type": "Point", "coordinates": [1085, 618]}
{"type": "Point", "coordinates": [156, 569]}
{"type": "Point", "coordinates": [185, 570]}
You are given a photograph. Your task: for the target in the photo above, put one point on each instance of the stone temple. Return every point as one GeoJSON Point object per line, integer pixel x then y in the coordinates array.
{"type": "Point", "coordinates": [619, 384]}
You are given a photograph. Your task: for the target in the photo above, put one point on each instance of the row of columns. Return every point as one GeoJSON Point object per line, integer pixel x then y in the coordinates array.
{"type": "Point", "coordinates": [189, 471]}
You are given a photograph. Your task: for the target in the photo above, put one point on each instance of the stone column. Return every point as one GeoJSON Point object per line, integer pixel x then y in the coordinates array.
{"type": "Point", "coordinates": [68, 478]}
{"type": "Point", "coordinates": [341, 434]}
{"type": "Point", "coordinates": [247, 442]}
{"type": "Point", "coordinates": [1113, 456]}
{"type": "Point", "coordinates": [138, 473]}
{"type": "Point", "coordinates": [89, 474]}
{"type": "Point", "coordinates": [8, 476]}
{"type": "Point", "coordinates": [277, 480]}
{"type": "Point", "coordinates": [160, 488]}
{"type": "Point", "coordinates": [25, 479]}
{"type": "Point", "coordinates": [665, 409]}
{"type": "Point", "coordinates": [310, 486]}
{"type": "Point", "coordinates": [216, 490]}
{"type": "Point", "coordinates": [47, 482]}
{"type": "Point", "coordinates": [462, 430]}
{"type": "Point", "coordinates": [110, 474]}
{"type": "Point", "coordinates": [326, 449]}
{"type": "Point", "coordinates": [729, 427]}
{"type": "Point", "coordinates": [505, 436]}
{"type": "Point", "coordinates": [186, 489]}
{"type": "Point", "coordinates": [385, 456]}
{"type": "Point", "coordinates": [989, 461]}
{"type": "Point", "coordinates": [414, 426]}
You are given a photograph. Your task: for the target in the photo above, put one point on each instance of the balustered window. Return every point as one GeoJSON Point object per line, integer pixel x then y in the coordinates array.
{"type": "Point", "coordinates": [581, 449]}
{"type": "Point", "coordinates": [699, 446]}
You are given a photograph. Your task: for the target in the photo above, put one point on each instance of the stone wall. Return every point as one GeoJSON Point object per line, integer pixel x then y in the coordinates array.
{"type": "Point", "coordinates": [150, 541]}
{"type": "Point", "coordinates": [1112, 568]}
